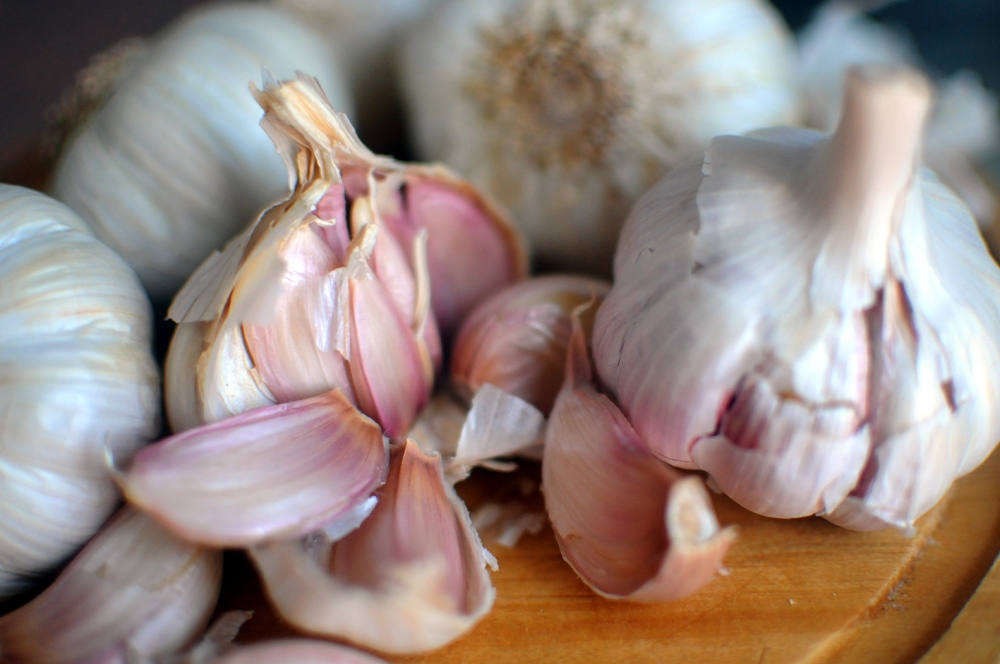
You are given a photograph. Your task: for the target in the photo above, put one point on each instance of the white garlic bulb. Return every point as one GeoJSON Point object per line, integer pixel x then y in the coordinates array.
{"type": "Point", "coordinates": [567, 110]}
{"type": "Point", "coordinates": [77, 380]}
{"type": "Point", "coordinates": [813, 320]}
{"type": "Point", "coordinates": [175, 163]}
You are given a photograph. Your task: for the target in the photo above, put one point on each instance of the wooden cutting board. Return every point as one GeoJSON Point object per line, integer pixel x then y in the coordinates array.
{"type": "Point", "coordinates": [795, 591]}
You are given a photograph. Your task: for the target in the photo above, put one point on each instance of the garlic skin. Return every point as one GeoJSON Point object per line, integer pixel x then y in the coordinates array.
{"type": "Point", "coordinates": [296, 651]}
{"type": "Point", "coordinates": [332, 288]}
{"type": "Point", "coordinates": [629, 525]}
{"type": "Point", "coordinates": [411, 578]}
{"type": "Point", "coordinates": [174, 163]}
{"type": "Point", "coordinates": [79, 379]}
{"type": "Point", "coordinates": [134, 593]}
{"type": "Point", "coordinates": [270, 473]}
{"type": "Point", "coordinates": [567, 111]}
{"type": "Point", "coordinates": [517, 339]}
{"type": "Point", "coordinates": [813, 320]}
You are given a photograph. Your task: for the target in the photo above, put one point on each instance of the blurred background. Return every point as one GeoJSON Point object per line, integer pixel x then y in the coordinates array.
{"type": "Point", "coordinates": [43, 43]}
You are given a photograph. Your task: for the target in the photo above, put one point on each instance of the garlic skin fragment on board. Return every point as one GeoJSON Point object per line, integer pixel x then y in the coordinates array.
{"type": "Point", "coordinates": [517, 339]}
{"type": "Point", "coordinates": [629, 525]}
{"type": "Point", "coordinates": [813, 320]}
{"type": "Point", "coordinates": [332, 288]}
{"type": "Point", "coordinates": [411, 578]}
{"type": "Point", "coordinates": [965, 125]}
{"type": "Point", "coordinates": [134, 593]}
{"type": "Point", "coordinates": [567, 111]}
{"type": "Point", "coordinates": [270, 473]}
{"type": "Point", "coordinates": [296, 651]}
{"type": "Point", "coordinates": [174, 163]}
{"type": "Point", "coordinates": [78, 379]}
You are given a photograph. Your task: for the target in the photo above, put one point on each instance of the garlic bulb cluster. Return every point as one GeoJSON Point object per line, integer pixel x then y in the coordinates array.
{"type": "Point", "coordinates": [79, 380]}
{"type": "Point", "coordinates": [174, 163]}
{"type": "Point", "coordinates": [964, 128]}
{"type": "Point", "coordinates": [333, 287]}
{"type": "Point", "coordinates": [567, 110]}
{"type": "Point", "coordinates": [813, 320]}
{"type": "Point", "coordinates": [134, 593]}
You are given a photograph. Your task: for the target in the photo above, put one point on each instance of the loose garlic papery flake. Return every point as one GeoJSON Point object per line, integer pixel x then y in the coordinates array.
{"type": "Point", "coordinates": [813, 320]}
{"type": "Point", "coordinates": [271, 473]}
{"type": "Point", "coordinates": [411, 578]}
{"type": "Point", "coordinates": [78, 378]}
{"type": "Point", "coordinates": [567, 110]}
{"type": "Point", "coordinates": [295, 306]}
{"type": "Point", "coordinates": [517, 339]}
{"type": "Point", "coordinates": [174, 163]}
{"type": "Point", "coordinates": [134, 593]}
{"type": "Point", "coordinates": [632, 527]}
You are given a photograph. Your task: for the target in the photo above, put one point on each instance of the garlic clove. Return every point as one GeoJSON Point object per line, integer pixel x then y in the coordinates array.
{"type": "Point", "coordinates": [630, 526]}
{"type": "Point", "coordinates": [296, 651]}
{"type": "Point", "coordinates": [517, 339]}
{"type": "Point", "coordinates": [410, 579]}
{"type": "Point", "coordinates": [274, 472]}
{"type": "Point", "coordinates": [135, 589]}
{"type": "Point", "coordinates": [496, 424]}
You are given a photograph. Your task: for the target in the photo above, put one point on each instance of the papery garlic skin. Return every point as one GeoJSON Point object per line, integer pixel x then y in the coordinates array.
{"type": "Point", "coordinates": [567, 111]}
{"type": "Point", "coordinates": [78, 381]}
{"type": "Point", "coordinates": [517, 340]}
{"type": "Point", "coordinates": [411, 578]}
{"type": "Point", "coordinates": [135, 591]}
{"type": "Point", "coordinates": [632, 527]}
{"type": "Point", "coordinates": [174, 164]}
{"type": "Point", "coordinates": [812, 320]}
{"type": "Point", "coordinates": [333, 287]}
{"type": "Point", "coordinates": [296, 651]}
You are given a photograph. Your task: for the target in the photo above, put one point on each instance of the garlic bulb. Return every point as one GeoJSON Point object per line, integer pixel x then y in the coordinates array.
{"type": "Point", "coordinates": [567, 110]}
{"type": "Point", "coordinates": [174, 163]}
{"type": "Point", "coordinates": [332, 288]}
{"type": "Point", "coordinates": [632, 527]}
{"type": "Point", "coordinates": [813, 320]}
{"type": "Point", "coordinates": [78, 380]}
{"type": "Point", "coordinates": [134, 593]}
{"type": "Point", "coordinates": [517, 339]}
{"type": "Point", "coordinates": [964, 128]}
{"type": "Point", "coordinates": [296, 651]}
{"type": "Point", "coordinates": [411, 578]}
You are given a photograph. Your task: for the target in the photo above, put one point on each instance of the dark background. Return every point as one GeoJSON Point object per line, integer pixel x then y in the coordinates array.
{"type": "Point", "coordinates": [44, 42]}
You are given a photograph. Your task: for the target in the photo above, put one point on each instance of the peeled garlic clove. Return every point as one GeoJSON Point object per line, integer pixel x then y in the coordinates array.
{"type": "Point", "coordinates": [78, 378]}
{"type": "Point", "coordinates": [174, 163]}
{"type": "Point", "coordinates": [496, 424]}
{"type": "Point", "coordinates": [631, 527]}
{"type": "Point", "coordinates": [135, 589]}
{"type": "Point", "coordinates": [811, 319]}
{"type": "Point", "coordinates": [411, 578]}
{"type": "Point", "coordinates": [296, 651]}
{"type": "Point", "coordinates": [517, 339]}
{"type": "Point", "coordinates": [270, 473]}
{"type": "Point", "coordinates": [566, 113]}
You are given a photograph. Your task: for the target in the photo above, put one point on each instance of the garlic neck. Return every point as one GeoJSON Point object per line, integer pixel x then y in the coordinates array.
{"type": "Point", "coordinates": [863, 175]}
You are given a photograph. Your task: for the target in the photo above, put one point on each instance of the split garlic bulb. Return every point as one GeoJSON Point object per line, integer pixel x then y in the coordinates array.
{"type": "Point", "coordinates": [78, 381]}
{"type": "Point", "coordinates": [813, 320]}
{"type": "Point", "coordinates": [567, 110]}
{"type": "Point", "coordinates": [174, 163]}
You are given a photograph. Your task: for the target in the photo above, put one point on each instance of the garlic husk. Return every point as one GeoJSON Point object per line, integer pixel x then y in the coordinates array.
{"type": "Point", "coordinates": [411, 578]}
{"type": "Point", "coordinates": [517, 339]}
{"type": "Point", "coordinates": [496, 424]}
{"type": "Point", "coordinates": [296, 651]}
{"type": "Point", "coordinates": [630, 526]}
{"type": "Point", "coordinates": [174, 163]}
{"type": "Point", "coordinates": [271, 473]}
{"type": "Point", "coordinates": [567, 111]}
{"type": "Point", "coordinates": [78, 378]}
{"type": "Point", "coordinates": [811, 318]}
{"type": "Point", "coordinates": [135, 592]}
{"type": "Point", "coordinates": [291, 311]}
{"type": "Point", "coordinates": [965, 126]}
